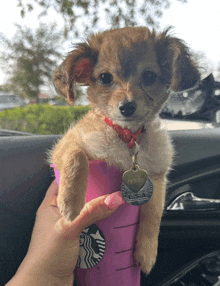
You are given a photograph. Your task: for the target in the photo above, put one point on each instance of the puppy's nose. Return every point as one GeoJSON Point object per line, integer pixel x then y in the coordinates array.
{"type": "Point", "coordinates": [127, 109]}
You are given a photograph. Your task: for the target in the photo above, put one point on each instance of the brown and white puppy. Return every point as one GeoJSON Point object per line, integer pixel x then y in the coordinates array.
{"type": "Point", "coordinates": [128, 72]}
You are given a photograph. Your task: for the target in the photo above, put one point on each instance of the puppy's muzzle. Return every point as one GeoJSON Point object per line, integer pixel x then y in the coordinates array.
{"type": "Point", "coordinates": [127, 109]}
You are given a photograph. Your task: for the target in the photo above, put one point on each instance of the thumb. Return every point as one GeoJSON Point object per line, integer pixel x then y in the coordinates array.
{"type": "Point", "coordinates": [100, 208]}
{"type": "Point", "coordinates": [92, 212]}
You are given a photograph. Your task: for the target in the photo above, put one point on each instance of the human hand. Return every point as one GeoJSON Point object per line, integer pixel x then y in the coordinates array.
{"type": "Point", "coordinates": [54, 246]}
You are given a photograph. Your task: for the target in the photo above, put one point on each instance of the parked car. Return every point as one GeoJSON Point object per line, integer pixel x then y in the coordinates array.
{"type": "Point", "coordinates": [9, 101]}
{"type": "Point", "coordinates": [189, 240]}
{"type": "Point", "coordinates": [57, 102]}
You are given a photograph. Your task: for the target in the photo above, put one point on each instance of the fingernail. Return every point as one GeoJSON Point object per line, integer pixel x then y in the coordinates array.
{"type": "Point", "coordinates": [114, 200]}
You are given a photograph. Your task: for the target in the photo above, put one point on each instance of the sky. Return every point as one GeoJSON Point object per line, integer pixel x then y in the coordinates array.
{"type": "Point", "coordinates": [197, 23]}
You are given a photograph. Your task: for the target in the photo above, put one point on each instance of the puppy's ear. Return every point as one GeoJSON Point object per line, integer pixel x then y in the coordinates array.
{"type": "Point", "coordinates": [177, 66]}
{"type": "Point", "coordinates": [77, 67]}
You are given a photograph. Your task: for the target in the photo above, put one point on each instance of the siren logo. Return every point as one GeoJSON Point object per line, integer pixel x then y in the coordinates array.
{"type": "Point", "coordinates": [92, 247]}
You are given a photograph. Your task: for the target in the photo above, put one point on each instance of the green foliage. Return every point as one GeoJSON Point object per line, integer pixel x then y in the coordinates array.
{"type": "Point", "coordinates": [41, 118]}
{"type": "Point", "coordinates": [116, 13]}
{"type": "Point", "coordinates": [30, 58]}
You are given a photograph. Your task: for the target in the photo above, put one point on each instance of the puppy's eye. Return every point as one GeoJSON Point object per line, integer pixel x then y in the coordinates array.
{"type": "Point", "coordinates": [148, 77]}
{"type": "Point", "coordinates": [106, 78]}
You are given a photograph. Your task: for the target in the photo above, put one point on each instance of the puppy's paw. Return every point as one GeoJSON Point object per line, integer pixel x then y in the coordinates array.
{"type": "Point", "coordinates": [145, 255]}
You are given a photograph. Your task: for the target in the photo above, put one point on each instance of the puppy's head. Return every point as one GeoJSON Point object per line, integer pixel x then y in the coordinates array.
{"type": "Point", "coordinates": [128, 72]}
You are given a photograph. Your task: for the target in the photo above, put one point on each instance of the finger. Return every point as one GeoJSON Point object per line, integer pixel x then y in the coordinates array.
{"type": "Point", "coordinates": [99, 209]}
{"type": "Point", "coordinates": [50, 197]}
{"type": "Point", "coordinates": [93, 211]}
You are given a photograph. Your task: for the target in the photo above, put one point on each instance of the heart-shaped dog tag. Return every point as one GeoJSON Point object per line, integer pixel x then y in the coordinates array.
{"type": "Point", "coordinates": [136, 187]}
{"type": "Point", "coordinates": [134, 179]}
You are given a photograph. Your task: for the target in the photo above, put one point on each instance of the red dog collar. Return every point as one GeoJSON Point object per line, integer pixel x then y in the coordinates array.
{"type": "Point", "coordinates": [125, 134]}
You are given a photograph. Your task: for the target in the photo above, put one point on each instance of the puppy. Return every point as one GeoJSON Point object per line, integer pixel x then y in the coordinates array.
{"type": "Point", "coordinates": [128, 72]}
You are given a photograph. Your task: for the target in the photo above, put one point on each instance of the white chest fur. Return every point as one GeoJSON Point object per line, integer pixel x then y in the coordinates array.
{"type": "Point", "coordinates": [155, 153]}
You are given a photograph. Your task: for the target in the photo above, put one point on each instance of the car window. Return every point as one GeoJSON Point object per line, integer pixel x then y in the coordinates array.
{"type": "Point", "coordinates": [36, 36]}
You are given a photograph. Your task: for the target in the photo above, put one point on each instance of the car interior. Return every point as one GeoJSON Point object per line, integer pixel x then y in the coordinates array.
{"type": "Point", "coordinates": [190, 228]}
{"type": "Point", "coordinates": [189, 244]}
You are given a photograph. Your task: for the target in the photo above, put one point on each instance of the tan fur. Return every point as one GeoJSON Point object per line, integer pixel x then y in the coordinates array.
{"type": "Point", "coordinates": [126, 54]}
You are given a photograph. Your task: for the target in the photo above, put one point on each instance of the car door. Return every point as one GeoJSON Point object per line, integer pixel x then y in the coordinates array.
{"type": "Point", "coordinates": [190, 227]}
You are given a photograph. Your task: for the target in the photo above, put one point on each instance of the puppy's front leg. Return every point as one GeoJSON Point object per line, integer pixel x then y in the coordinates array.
{"type": "Point", "coordinates": [150, 218]}
{"type": "Point", "coordinates": [73, 183]}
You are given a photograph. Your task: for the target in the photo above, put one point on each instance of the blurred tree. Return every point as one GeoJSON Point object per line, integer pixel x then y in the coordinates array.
{"type": "Point", "coordinates": [218, 72]}
{"type": "Point", "coordinates": [4, 88]}
{"type": "Point", "coordinates": [116, 13]}
{"type": "Point", "coordinates": [30, 57]}
{"type": "Point", "coordinates": [204, 64]}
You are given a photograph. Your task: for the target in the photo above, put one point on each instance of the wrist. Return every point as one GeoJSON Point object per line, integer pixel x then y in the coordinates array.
{"type": "Point", "coordinates": [39, 280]}
{"type": "Point", "coordinates": [35, 275]}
